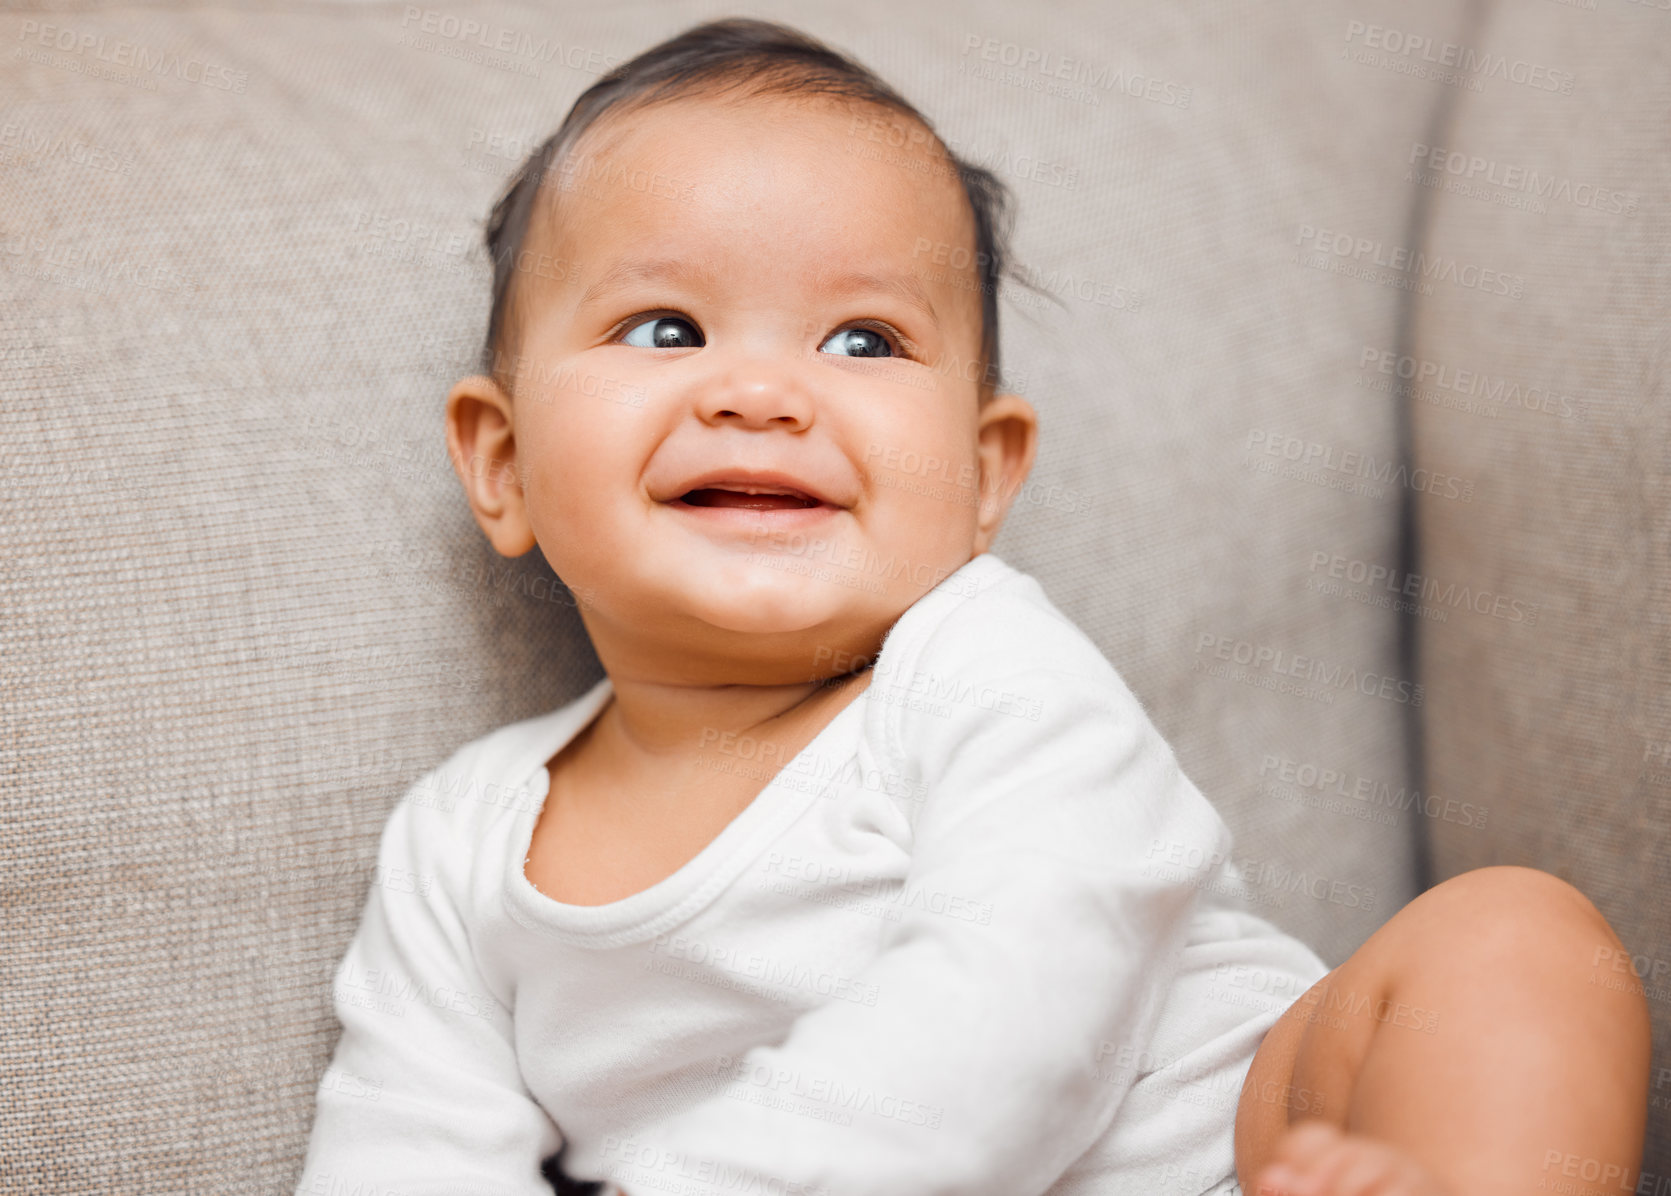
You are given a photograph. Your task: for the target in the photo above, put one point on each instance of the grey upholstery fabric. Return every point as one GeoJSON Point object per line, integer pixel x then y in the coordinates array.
{"type": "Point", "coordinates": [245, 605]}
{"type": "Point", "coordinates": [1558, 402]}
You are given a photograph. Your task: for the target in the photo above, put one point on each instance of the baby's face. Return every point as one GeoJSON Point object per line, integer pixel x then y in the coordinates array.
{"type": "Point", "coordinates": [743, 296]}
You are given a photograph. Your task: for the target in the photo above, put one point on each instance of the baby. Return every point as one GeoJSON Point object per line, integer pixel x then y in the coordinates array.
{"type": "Point", "coordinates": [862, 872]}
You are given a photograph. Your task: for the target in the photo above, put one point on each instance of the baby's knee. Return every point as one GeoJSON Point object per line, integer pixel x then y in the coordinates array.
{"type": "Point", "coordinates": [1533, 932]}
{"type": "Point", "coordinates": [1518, 909]}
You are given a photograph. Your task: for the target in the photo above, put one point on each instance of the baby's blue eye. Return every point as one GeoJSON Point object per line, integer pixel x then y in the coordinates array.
{"type": "Point", "coordinates": [664, 332]}
{"type": "Point", "coordinates": [860, 342]}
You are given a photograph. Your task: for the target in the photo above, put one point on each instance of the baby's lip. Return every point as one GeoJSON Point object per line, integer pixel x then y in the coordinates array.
{"type": "Point", "coordinates": [749, 481]}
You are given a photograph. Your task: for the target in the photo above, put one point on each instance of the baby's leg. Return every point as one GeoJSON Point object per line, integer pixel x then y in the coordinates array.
{"type": "Point", "coordinates": [1484, 1040]}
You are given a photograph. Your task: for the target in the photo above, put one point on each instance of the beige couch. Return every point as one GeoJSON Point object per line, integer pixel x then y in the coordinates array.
{"type": "Point", "coordinates": [244, 605]}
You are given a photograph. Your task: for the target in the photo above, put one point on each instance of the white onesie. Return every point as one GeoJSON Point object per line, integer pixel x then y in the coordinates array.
{"type": "Point", "coordinates": [980, 937]}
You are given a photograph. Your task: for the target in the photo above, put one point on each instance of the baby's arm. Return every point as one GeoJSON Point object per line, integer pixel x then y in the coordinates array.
{"type": "Point", "coordinates": [423, 1095]}
{"type": "Point", "coordinates": [976, 1072]}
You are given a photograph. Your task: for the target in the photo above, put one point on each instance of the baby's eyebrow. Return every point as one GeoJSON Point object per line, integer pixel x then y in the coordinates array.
{"type": "Point", "coordinates": [907, 287]}
{"type": "Point", "coordinates": [903, 286]}
{"type": "Point", "coordinates": [622, 273]}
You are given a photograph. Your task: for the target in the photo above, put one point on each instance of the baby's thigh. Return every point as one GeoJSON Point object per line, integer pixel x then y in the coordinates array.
{"type": "Point", "coordinates": [1271, 1100]}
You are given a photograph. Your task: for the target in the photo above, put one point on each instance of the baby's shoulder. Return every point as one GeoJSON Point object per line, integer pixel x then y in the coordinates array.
{"type": "Point", "coordinates": [987, 655]}
{"type": "Point", "coordinates": [998, 625]}
{"type": "Point", "coordinates": [990, 685]}
{"type": "Point", "coordinates": [497, 775]}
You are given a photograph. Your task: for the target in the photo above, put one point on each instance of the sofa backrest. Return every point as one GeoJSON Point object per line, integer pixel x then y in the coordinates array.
{"type": "Point", "coordinates": [1539, 368]}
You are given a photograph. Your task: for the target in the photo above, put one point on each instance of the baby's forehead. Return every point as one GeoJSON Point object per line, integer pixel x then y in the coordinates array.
{"type": "Point", "coordinates": [848, 132]}
{"type": "Point", "coordinates": [827, 157]}
{"type": "Point", "coordinates": [823, 114]}
{"type": "Point", "coordinates": [752, 184]}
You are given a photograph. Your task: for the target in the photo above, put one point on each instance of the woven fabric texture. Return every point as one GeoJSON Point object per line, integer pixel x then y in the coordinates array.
{"type": "Point", "coordinates": [1550, 691]}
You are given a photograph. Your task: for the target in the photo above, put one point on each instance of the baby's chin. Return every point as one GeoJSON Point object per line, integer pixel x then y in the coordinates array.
{"type": "Point", "coordinates": [763, 597]}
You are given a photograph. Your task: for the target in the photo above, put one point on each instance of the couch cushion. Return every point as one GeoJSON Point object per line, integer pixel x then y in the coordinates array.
{"type": "Point", "coordinates": [1550, 683]}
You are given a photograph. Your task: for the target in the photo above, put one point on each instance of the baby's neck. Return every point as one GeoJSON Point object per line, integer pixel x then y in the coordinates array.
{"type": "Point", "coordinates": [612, 825]}
{"type": "Point", "coordinates": [647, 725]}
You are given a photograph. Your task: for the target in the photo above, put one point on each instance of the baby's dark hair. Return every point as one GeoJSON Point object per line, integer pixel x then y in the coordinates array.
{"type": "Point", "coordinates": [757, 58]}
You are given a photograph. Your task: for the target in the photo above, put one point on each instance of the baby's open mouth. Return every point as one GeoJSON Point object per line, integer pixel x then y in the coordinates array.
{"type": "Point", "coordinates": [715, 497]}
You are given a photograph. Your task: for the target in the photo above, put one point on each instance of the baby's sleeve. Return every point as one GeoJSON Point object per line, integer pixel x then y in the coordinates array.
{"type": "Point", "coordinates": [1039, 936]}
{"type": "Point", "coordinates": [423, 1095]}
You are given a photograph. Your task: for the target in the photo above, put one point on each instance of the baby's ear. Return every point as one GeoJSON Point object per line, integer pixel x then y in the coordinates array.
{"type": "Point", "coordinates": [481, 441]}
{"type": "Point", "coordinates": [1007, 442]}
